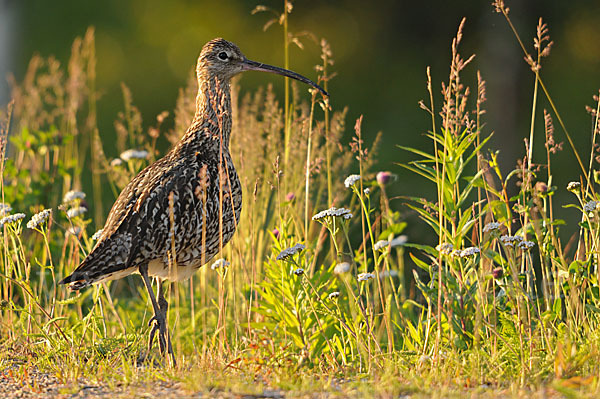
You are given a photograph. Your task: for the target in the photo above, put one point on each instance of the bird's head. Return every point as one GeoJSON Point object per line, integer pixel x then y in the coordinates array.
{"type": "Point", "coordinates": [223, 59]}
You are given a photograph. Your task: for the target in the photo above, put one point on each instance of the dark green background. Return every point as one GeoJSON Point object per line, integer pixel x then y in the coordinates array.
{"type": "Point", "coordinates": [381, 51]}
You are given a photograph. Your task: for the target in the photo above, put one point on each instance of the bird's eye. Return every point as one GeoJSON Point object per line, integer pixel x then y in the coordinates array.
{"type": "Point", "coordinates": [222, 56]}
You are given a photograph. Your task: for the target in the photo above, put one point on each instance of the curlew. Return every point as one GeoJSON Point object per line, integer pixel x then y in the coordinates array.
{"type": "Point", "coordinates": [180, 211]}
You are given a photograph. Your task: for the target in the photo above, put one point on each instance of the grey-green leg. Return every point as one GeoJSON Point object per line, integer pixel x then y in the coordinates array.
{"type": "Point", "coordinates": [159, 320]}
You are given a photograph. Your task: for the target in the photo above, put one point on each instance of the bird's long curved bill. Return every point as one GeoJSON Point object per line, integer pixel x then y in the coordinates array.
{"type": "Point", "coordinates": [249, 65]}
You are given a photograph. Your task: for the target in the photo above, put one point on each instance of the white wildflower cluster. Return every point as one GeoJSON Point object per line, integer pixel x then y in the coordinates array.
{"type": "Point", "coordinates": [388, 273]}
{"type": "Point", "coordinates": [334, 295]}
{"type": "Point", "coordinates": [590, 206]}
{"type": "Point", "coordinates": [11, 219]}
{"type": "Point", "coordinates": [5, 209]}
{"type": "Point", "coordinates": [445, 248]}
{"type": "Point", "coordinates": [510, 241]}
{"type": "Point", "coordinates": [286, 253]}
{"type": "Point", "coordinates": [116, 162]}
{"type": "Point", "coordinates": [471, 251]}
{"type": "Point", "coordinates": [97, 235]}
{"type": "Point", "coordinates": [456, 253]}
{"type": "Point", "coordinates": [573, 186]}
{"type": "Point", "coordinates": [74, 231]}
{"type": "Point", "coordinates": [133, 154]}
{"type": "Point", "coordinates": [400, 240]}
{"type": "Point", "coordinates": [72, 196]}
{"type": "Point", "coordinates": [341, 268]}
{"type": "Point", "coordinates": [219, 264]}
{"type": "Point", "coordinates": [333, 212]}
{"type": "Point", "coordinates": [526, 245]}
{"type": "Point", "coordinates": [39, 218]}
{"type": "Point", "coordinates": [76, 211]}
{"type": "Point", "coordinates": [365, 276]}
{"type": "Point", "coordinates": [491, 227]}
{"type": "Point", "coordinates": [381, 245]}
{"type": "Point", "coordinates": [351, 180]}
{"type": "Point", "coordinates": [299, 271]}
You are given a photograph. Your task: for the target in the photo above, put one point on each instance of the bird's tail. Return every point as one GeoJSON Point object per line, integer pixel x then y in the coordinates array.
{"type": "Point", "coordinates": [96, 268]}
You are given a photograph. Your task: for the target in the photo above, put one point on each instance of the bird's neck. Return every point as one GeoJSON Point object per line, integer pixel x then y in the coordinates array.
{"type": "Point", "coordinates": [212, 121]}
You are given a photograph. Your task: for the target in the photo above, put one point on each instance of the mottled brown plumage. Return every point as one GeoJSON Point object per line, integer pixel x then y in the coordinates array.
{"type": "Point", "coordinates": [188, 203]}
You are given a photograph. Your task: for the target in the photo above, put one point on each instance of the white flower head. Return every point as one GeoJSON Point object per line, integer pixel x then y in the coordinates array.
{"type": "Point", "coordinates": [116, 162]}
{"type": "Point", "coordinates": [74, 231]}
{"type": "Point", "coordinates": [456, 253]}
{"type": "Point", "coordinates": [341, 268]}
{"type": "Point", "coordinates": [365, 276]}
{"type": "Point", "coordinates": [381, 245]}
{"type": "Point", "coordinates": [299, 271]}
{"type": "Point", "coordinates": [400, 240]}
{"type": "Point", "coordinates": [5, 209]}
{"type": "Point", "coordinates": [573, 186]}
{"type": "Point", "coordinates": [220, 264]}
{"type": "Point", "coordinates": [491, 227]}
{"type": "Point", "coordinates": [471, 251]}
{"type": "Point", "coordinates": [367, 191]}
{"type": "Point", "coordinates": [133, 154]}
{"type": "Point", "coordinates": [351, 180]}
{"type": "Point", "coordinates": [590, 206]}
{"type": "Point", "coordinates": [39, 218]}
{"type": "Point", "coordinates": [445, 248]}
{"type": "Point", "coordinates": [76, 211]}
{"type": "Point", "coordinates": [510, 241]}
{"type": "Point", "coordinates": [526, 245]}
{"type": "Point", "coordinates": [334, 295]}
{"type": "Point", "coordinates": [11, 219]}
{"type": "Point", "coordinates": [97, 235]}
{"type": "Point", "coordinates": [72, 196]}
{"type": "Point", "coordinates": [388, 273]}
{"type": "Point", "coordinates": [333, 212]}
{"type": "Point", "coordinates": [286, 253]}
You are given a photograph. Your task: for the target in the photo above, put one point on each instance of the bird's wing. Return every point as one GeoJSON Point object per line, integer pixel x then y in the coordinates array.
{"type": "Point", "coordinates": [124, 241]}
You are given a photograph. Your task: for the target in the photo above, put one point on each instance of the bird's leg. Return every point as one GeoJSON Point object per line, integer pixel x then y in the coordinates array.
{"type": "Point", "coordinates": [164, 305]}
{"type": "Point", "coordinates": [159, 318]}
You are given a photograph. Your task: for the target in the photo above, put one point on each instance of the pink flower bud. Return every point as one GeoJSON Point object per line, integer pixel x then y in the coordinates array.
{"type": "Point", "coordinates": [384, 178]}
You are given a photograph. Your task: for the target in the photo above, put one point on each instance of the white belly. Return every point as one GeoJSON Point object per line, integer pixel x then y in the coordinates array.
{"type": "Point", "coordinates": [157, 268]}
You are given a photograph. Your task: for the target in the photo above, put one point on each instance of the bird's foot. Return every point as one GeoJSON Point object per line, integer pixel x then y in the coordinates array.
{"type": "Point", "coordinates": [159, 325]}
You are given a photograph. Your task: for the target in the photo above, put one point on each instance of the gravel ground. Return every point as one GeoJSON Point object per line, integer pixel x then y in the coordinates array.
{"type": "Point", "coordinates": [36, 384]}
{"type": "Point", "coordinates": [15, 383]}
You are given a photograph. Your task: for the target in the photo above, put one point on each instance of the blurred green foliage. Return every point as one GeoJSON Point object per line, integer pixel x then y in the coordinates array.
{"type": "Point", "coordinates": [381, 50]}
